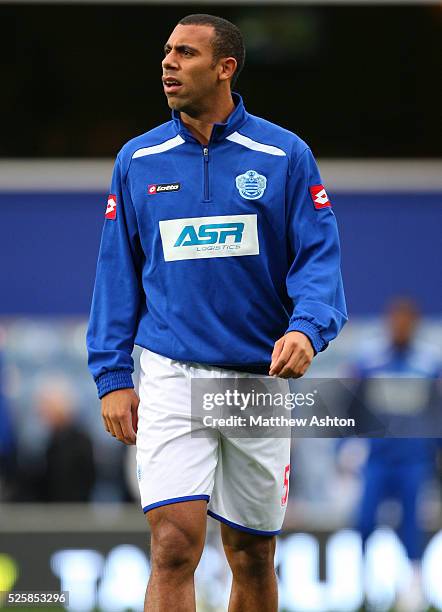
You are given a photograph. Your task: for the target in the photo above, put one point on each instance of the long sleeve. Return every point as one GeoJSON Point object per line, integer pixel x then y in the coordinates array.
{"type": "Point", "coordinates": [117, 293]}
{"type": "Point", "coordinates": [314, 281]}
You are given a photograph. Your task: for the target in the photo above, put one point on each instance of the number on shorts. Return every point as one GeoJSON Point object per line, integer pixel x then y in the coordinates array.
{"type": "Point", "coordinates": [286, 485]}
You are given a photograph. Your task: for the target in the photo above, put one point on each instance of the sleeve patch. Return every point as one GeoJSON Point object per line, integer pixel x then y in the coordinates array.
{"type": "Point", "coordinates": [319, 196]}
{"type": "Point", "coordinates": [111, 208]}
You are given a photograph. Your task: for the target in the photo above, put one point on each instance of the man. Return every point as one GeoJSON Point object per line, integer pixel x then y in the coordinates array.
{"type": "Point", "coordinates": [407, 398]}
{"type": "Point", "coordinates": [219, 256]}
{"type": "Point", "coordinates": [67, 470]}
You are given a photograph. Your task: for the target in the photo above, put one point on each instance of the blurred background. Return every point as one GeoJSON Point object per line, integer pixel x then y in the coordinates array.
{"type": "Point", "coordinates": [360, 82]}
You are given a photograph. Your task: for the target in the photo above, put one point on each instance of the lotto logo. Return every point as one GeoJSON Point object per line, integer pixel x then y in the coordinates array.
{"type": "Point", "coordinates": [111, 208]}
{"type": "Point", "coordinates": [319, 196]}
{"type": "Point", "coordinates": [152, 189]}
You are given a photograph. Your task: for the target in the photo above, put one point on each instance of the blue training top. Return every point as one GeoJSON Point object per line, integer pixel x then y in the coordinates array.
{"type": "Point", "coordinates": [209, 254]}
{"type": "Point", "coordinates": [401, 385]}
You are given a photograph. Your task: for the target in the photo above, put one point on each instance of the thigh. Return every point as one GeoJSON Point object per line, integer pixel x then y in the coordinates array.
{"type": "Point", "coordinates": [251, 484]}
{"type": "Point", "coordinates": [172, 465]}
{"type": "Point", "coordinates": [411, 479]}
{"type": "Point", "coordinates": [250, 492]}
{"type": "Point", "coordinates": [375, 488]}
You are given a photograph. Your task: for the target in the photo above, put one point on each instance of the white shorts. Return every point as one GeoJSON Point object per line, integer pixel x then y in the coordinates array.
{"type": "Point", "coordinates": [244, 480]}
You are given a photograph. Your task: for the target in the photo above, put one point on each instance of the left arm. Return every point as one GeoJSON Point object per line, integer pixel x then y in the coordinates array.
{"type": "Point", "coordinates": [314, 280]}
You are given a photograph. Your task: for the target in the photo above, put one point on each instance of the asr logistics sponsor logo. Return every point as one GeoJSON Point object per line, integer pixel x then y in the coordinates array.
{"type": "Point", "coordinates": [202, 237]}
{"type": "Point", "coordinates": [212, 236]}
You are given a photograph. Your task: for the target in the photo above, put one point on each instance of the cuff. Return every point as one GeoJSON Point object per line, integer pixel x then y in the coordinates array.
{"type": "Point", "coordinates": [113, 380]}
{"type": "Point", "coordinates": [311, 331]}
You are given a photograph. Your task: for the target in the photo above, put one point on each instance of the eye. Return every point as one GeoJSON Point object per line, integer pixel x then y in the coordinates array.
{"type": "Point", "coordinates": [187, 52]}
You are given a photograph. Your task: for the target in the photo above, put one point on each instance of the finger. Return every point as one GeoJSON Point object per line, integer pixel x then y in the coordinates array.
{"type": "Point", "coordinates": [118, 431]}
{"type": "Point", "coordinates": [110, 427]}
{"type": "Point", "coordinates": [289, 371]}
{"type": "Point", "coordinates": [295, 368]}
{"type": "Point", "coordinates": [279, 344]}
{"type": "Point", "coordinates": [135, 416]}
{"type": "Point", "coordinates": [105, 417]}
{"type": "Point", "coordinates": [106, 426]}
{"type": "Point", "coordinates": [292, 369]}
{"type": "Point", "coordinates": [282, 359]}
{"type": "Point", "coordinates": [127, 429]}
{"type": "Point", "coordinates": [277, 348]}
{"type": "Point", "coordinates": [305, 366]}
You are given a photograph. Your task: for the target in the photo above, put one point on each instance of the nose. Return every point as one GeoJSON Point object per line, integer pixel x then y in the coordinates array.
{"type": "Point", "coordinates": [170, 61]}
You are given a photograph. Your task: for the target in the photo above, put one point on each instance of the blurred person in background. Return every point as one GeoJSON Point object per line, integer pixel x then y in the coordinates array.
{"type": "Point", "coordinates": [8, 444]}
{"type": "Point", "coordinates": [399, 468]}
{"type": "Point", "coordinates": [67, 471]}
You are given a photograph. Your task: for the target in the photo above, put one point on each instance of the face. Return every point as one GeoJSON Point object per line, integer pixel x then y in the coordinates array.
{"type": "Point", "coordinates": [403, 322]}
{"type": "Point", "coordinates": [190, 78]}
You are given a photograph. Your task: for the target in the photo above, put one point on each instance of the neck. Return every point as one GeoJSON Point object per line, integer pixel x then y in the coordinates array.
{"type": "Point", "coordinates": [201, 125]}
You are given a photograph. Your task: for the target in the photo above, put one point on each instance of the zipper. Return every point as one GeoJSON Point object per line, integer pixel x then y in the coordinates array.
{"type": "Point", "coordinates": [206, 173]}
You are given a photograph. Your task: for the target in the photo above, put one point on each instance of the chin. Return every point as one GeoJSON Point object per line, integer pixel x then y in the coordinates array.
{"type": "Point", "coordinates": [174, 103]}
{"type": "Point", "coordinates": [183, 105]}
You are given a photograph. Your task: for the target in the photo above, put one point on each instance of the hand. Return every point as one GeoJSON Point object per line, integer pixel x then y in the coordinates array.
{"type": "Point", "coordinates": [119, 410]}
{"type": "Point", "coordinates": [292, 355]}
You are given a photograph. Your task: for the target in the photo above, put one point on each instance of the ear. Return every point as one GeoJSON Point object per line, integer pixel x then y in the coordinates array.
{"type": "Point", "coordinates": [227, 67]}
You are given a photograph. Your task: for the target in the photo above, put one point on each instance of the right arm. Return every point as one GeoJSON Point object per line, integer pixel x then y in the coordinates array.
{"type": "Point", "coordinates": [114, 312]}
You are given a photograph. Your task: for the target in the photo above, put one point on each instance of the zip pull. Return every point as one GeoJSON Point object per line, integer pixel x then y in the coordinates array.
{"type": "Point", "coordinates": [206, 173]}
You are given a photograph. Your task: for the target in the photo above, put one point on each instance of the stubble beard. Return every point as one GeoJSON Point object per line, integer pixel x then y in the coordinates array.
{"type": "Point", "coordinates": [191, 108]}
{"type": "Point", "coordinates": [192, 105]}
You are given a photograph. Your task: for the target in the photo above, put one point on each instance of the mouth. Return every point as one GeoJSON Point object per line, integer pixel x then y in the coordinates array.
{"type": "Point", "coordinates": [171, 85]}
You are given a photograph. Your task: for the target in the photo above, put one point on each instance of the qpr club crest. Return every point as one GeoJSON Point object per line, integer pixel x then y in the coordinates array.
{"type": "Point", "coordinates": [251, 185]}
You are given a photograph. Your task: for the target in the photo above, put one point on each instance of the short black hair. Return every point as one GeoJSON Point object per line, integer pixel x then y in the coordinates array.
{"type": "Point", "coordinates": [227, 41]}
